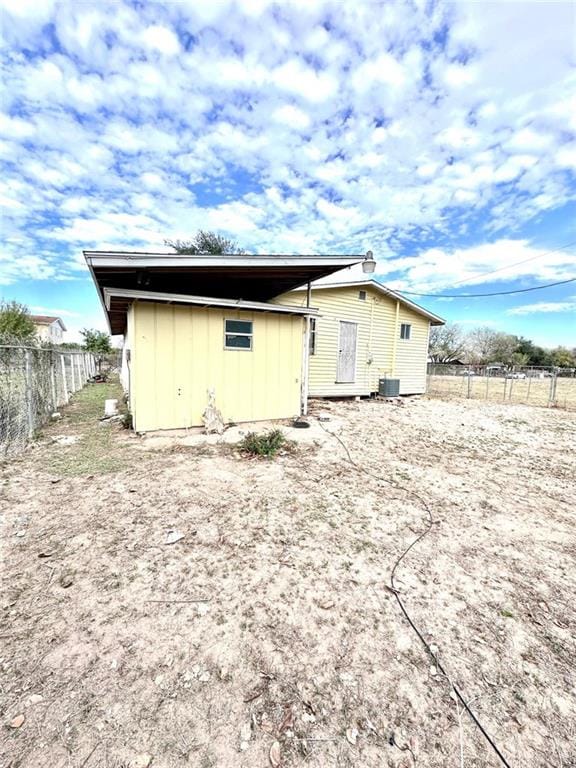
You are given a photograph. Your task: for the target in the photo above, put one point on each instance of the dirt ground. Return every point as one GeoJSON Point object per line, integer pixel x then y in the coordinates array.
{"type": "Point", "coordinates": [266, 634]}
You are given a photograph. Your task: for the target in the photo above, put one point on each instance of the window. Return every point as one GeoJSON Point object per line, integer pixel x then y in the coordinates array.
{"type": "Point", "coordinates": [237, 334]}
{"type": "Point", "coordinates": [362, 295]}
{"type": "Point", "coordinates": [312, 336]}
{"type": "Point", "coordinates": [405, 330]}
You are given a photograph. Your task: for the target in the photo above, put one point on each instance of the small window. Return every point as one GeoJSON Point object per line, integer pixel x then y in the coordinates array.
{"type": "Point", "coordinates": [237, 334]}
{"type": "Point", "coordinates": [362, 295]}
{"type": "Point", "coordinates": [405, 330]}
{"type": "Point", "coordinates": [312, 336]}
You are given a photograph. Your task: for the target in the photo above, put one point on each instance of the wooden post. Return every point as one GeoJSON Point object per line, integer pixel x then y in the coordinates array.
{"type": "Point", "coordinates": [53, 382]}
{"type": "Point", "coordinates": [64, 382]}
{"type": "Point", "coordinates": [552, 393]}
{"type": "Point", "coordinates": [29, 392]}
{"type": "Point", "coordinates": [73, 375]}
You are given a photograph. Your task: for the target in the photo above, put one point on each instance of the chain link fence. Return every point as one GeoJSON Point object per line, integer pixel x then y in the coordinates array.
{"type": "Point", "coordinates": [535, 385]}
{"type": "Point", "coordinates": [34, 383]}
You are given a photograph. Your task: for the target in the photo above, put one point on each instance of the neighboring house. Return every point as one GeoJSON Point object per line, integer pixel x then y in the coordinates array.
{"type": "Point", "coordinates": [364, 332]}
{"type": "Point", "coordinates": [201, 326]}
{"type": "Point", "coordinates": [49, 329]}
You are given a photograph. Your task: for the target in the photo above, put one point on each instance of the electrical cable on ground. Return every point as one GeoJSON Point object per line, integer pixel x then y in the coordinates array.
{"type": "Point", "coordinates": [395, 592]}
{"type": "Point", "coordinates": [480, 295]}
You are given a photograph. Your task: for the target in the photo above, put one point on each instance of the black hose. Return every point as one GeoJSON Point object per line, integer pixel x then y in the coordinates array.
{"type": "Point", "coordinates": [396, 594]}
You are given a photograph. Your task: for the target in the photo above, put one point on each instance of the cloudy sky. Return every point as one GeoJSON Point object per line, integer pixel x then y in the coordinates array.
{"type": "Point", "coordinates": [441, 136]}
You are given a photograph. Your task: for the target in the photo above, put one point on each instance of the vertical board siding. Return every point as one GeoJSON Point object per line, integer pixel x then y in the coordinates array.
{"type": "Point", "coordinates": [378, 338]}
{"type": "Point", "coordinates": [178, 355]}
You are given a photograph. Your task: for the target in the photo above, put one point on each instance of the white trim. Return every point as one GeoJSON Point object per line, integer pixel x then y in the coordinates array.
{"type": "Point", "coordinates": [203, 301]}
{"type": "Point", "coordinates": [304, 384]}
{"type": "Point", "coordinates": [122, 259]}
{"type": "Point", "coordinates": [379, 287]}
{"type": "Point", "coordinates": [350, 322]}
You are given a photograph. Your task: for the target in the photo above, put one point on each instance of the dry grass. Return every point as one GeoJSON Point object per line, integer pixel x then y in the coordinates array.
{"type": "Point", "coordinates": [299, 641]}
{"type": "Point", "coordinates": [499, 389]}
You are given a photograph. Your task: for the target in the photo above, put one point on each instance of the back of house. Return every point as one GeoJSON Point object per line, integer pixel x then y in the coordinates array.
{"type": "Point", "coordinates": [363, 333]}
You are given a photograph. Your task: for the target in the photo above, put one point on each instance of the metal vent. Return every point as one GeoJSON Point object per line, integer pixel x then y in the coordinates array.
{"type": "Point", "coordinates": [389, 387]}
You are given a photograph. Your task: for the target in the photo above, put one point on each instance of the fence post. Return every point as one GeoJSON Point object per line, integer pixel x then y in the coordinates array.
{"type": "Point", "coordinates": [511, 383]}
{"type": "Point", "coordinates": [552, 393]}
{"type": "Point", "coordinates": [64, 382]}
{"type": "Point", "coordinates": [29, 391]}
{"type": "Point", "coordinates": [53, 382]}
{"type": "Point", "coordinates": [73, 388]}
{"type": "Point", "coordinates": [469, 377]}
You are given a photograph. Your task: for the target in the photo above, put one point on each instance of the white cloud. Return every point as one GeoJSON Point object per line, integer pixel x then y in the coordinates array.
{"type": "Point", "coordinates": [544, 307]}
{"type": "Point", "coordinates": [161, 39]}
{"type": "Point", "coordinates": [50, 311]}
{"type": "Point", "coordinates": [291, 116]}
{"type": "Point", "coordinates": [294, 129]}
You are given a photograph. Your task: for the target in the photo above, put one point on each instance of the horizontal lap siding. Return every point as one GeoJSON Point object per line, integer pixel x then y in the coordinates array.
{"type": "Point", "coordinates": [412, 353]}
{"type": "Point", "coordinates": [378, 338]}
{"type": "Point", "coordinates": [178, 355]}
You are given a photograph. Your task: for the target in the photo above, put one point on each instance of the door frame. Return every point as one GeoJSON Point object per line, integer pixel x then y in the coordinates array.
{"type": "Point", "coordinates": [350, 322]}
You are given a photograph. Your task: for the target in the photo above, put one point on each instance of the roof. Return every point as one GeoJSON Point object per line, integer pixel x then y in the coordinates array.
{"type": "Point", "coordinates": [116, 297]}
{"type": "Point", "coordinates": [47, 320]}
{"type": "Point", "coordinates": [434, 319]}
{"type": "Point", "coordinates": [246, 277]}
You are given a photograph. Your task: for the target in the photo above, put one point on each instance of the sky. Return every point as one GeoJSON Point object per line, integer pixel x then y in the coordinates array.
{"type": "Point", "coordinates": [441, 136]}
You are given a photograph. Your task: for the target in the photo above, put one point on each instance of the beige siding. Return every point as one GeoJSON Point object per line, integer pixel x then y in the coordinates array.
{"type": "Point", "coordinates": [380, 352]}
{"type": "Point", "coordinates": [412, 354]}
{"type": "Point", "coordinates": [178, 355]}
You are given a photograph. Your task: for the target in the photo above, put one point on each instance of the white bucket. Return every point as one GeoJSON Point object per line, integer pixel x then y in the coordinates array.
{"type": "Point", "coordinates": [110, 407]}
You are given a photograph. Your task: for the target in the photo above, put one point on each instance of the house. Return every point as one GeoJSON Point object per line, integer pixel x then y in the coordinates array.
{"type": "Point", "coordinates": [257, 335]}
{"type": "Point", "coordinates": [49, 329]}
{"type": "Point", "coordinates": [203, 327]}
{"type": "Point", "coordinates": [364, 332]}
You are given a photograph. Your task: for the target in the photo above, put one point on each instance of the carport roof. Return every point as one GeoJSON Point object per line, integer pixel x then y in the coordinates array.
{"type": "Point", "coordinates": [229, 276]}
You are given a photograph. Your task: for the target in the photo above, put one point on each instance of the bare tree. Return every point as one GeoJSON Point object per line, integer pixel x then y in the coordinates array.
{"type": "Point", "coordinates": [447, 343]}
{"type": "Point", "coordinates": [485, 345]}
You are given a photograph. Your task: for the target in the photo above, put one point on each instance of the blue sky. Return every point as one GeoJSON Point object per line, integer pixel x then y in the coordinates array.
{"type": "Point", "coordinates": [441, 136]}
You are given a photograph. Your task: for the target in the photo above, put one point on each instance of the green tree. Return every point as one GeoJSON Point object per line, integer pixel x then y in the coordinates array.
{"type": "Point", "coordinates": [97, 342]}
{"type": "Point", "coordinates": [205, 242]}
{"type": "Point", "coordinates": [536, 355]}
{"type": "Point", "coordinates": [562, 358]}
{"type": "Point", "coordinates": [15, 322]}
{"type": "Point", "coordinates": [447, 343]}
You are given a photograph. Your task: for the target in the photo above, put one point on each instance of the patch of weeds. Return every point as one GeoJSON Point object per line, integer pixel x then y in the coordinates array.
{"type": "Point", "coordinates": [267, 444]}
{"type": "Point", "coordinates": [506, 613]}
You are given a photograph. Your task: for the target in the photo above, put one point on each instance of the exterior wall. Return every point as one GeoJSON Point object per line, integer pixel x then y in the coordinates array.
{"type": "Point", "coordinates": [49, 333]}
{"type": "Point", "coordinates": [127, 352]}
{"type": "Point", "coordinates": [380, 351]}
{"type": "Point", "coordinates": [177, 356]}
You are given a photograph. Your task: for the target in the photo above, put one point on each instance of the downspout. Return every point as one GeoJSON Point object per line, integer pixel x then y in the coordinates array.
{"type": "Point", "coordinates": [305, 357]}
{"type": "Point", "coordinates": [395, 341]}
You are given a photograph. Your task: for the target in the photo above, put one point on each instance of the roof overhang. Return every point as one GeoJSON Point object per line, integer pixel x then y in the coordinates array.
{"type": "Point", "coordinates": [255, 279]}
{"type": "Point", "coordinates": [434, 319]}
{"type": "Point", "coordinates": [117, 300]}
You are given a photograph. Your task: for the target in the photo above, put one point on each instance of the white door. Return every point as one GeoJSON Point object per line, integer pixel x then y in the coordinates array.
{"type": "Point", "coordinates": [346, 373]}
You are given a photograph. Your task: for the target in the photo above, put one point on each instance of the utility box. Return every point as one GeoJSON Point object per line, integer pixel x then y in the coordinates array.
{"type": "Point", "coordinates": [389, 387]}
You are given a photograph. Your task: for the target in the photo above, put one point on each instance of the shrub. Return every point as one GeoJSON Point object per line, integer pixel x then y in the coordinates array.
{"type": "Point", "coordinates": [267, 444]}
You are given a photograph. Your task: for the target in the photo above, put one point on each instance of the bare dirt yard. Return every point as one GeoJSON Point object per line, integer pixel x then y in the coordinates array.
{"type": "Point", "coordinates": [267, 635]}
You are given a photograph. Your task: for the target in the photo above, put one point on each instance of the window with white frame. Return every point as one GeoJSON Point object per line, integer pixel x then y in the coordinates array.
{"type": "Point", "coordinates": [238, 334]}
{"type": "Point", "coordinates": [312, 336]}
{"type": "Point", "coordinates": [362, 295]}
{"type": "Point", "coordinates": [405, 330]}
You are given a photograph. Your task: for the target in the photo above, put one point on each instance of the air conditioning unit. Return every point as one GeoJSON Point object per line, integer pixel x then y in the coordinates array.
{"type": "Point", "coordinates": [389, 387]}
